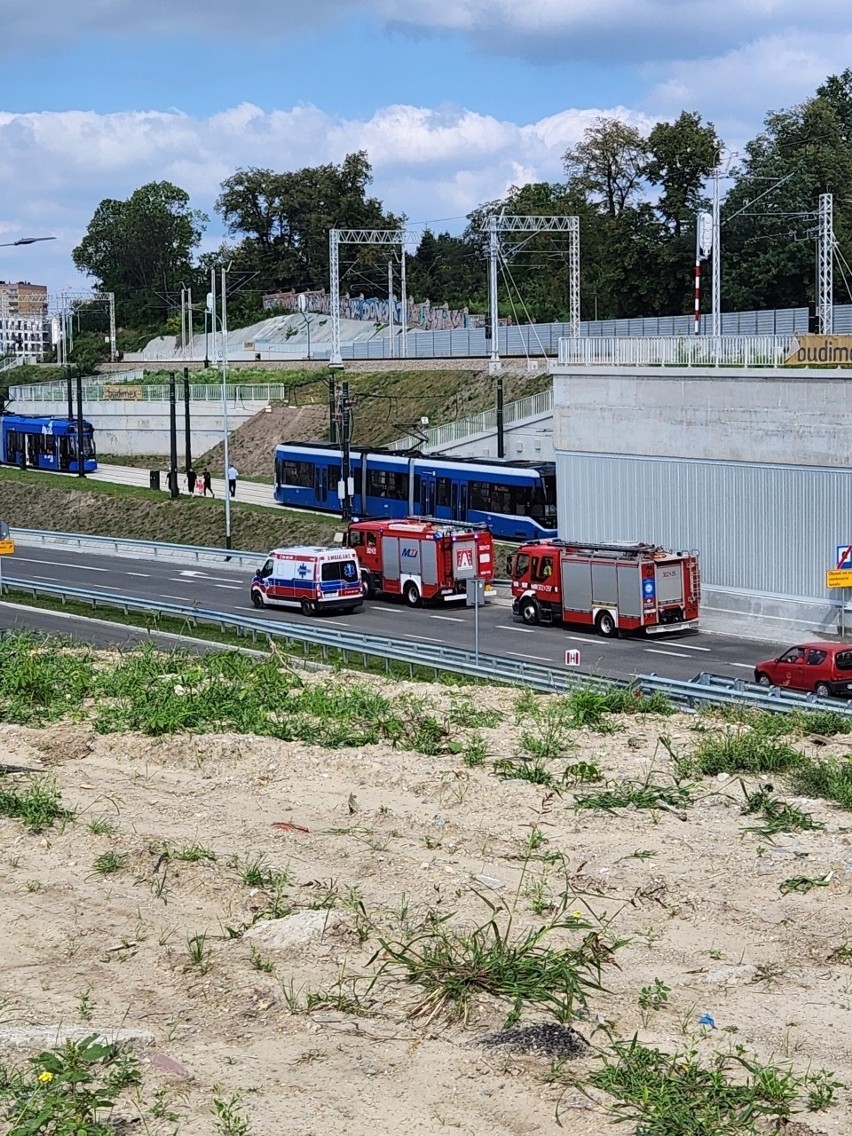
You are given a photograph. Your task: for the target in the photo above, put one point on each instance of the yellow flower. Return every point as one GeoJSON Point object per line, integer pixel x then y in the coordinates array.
{"type": "Point", "coordinates": [577, 914]}
{"type": "Point", "coordinates": [45, 1077]}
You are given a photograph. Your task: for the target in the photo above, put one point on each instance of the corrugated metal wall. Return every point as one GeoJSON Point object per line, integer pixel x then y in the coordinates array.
{"type": "Point", "coordinates": [758, 527]}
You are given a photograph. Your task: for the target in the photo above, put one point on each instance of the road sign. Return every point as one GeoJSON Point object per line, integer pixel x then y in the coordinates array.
{"type": "Point", "coordinates": [838, 578]}
{"type": "Point", "coordinates": [572, 658]}
{"type": "Point", "coordinates": [7, 545]}
{"type": "Point", "coordinates": [843, 556]}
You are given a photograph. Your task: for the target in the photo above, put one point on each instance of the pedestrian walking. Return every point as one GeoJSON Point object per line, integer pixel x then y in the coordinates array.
{"type": "Point", "coordinates": [191, 477]}
{"type": "Point", "coordinates": [232, 480]}
{"type": "Point", "coordinates": [208, 483]}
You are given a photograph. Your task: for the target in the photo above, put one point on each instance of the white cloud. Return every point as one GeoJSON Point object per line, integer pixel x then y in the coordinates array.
{"type": "Point", "coordinates": [605, 31]}
{"type": "Point", "coordinates": [431, 164]}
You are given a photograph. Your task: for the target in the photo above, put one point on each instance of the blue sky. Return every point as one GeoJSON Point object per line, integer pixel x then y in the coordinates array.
{"type": "Point", "coordinates": [454, 104]}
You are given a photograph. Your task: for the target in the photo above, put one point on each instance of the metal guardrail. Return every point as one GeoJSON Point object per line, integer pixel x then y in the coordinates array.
{"type": "Point", "coordinates": [678, 350]}
{"type": "Point", "coordinates": [706, 689]}
{"type": "Point", "coordinates": [122, 546]}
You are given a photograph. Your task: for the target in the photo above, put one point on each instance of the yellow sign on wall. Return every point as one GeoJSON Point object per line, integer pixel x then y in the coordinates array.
{"type": "Point", "coordinates": [838, 578]}
{"type": "Point", "coordinates": [123, 393]}
{"type": "Point", "coordinates": [821, 351]}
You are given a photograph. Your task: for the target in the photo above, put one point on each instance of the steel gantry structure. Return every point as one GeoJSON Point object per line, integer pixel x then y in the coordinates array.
{"type": "Point", "coordinates": [825, 264]}
{"type": "Point", "coordinates": [497, 223]}
{"type": "Point", "coordinates": [338, 237]}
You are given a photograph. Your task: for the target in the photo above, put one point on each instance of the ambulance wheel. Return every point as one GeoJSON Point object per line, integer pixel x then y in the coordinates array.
{"type": "Point", "coordinates": [411, 594]}
{"type": "Point", "coordinates": [308, 608]}
{"type": "Point", "coordinates": [257, 599]}
{"type": "Point", "coordinates": [529, 611]}
{"type": "Point", "coordinates": [605, 625]}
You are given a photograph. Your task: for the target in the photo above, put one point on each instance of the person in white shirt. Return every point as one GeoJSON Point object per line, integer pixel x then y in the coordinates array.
{"type": "Point", "coordinates": [232, 480]}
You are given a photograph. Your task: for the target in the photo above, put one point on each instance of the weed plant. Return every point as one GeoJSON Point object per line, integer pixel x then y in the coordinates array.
{"type": "Point", "coordinates": [67, 1091]}
{"type": "Point", "coordinates": [41, 680]}
{"type": "Point", "coordinates": [37, 804]}
{"type": "Point", "coordinates": [681, 1094]}
{"type": "Point", "coordinates": [776, 815]}
{"type": "Point", "coordinates": [829, 779]}
{"type": "Point", "coordinates": [644, 794]}
{"type": "Point", "coordinates": [524, 968]}
{"type": "Point", "coordinates": [754, 749]}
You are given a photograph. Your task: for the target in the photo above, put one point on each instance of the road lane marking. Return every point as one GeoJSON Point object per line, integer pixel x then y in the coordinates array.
{"type": "Point", "coordinates": [691, 647]}
{"type": "Point", "coordinates": [142, 575]}
{"type": "Point", "coordinates": [579, 638]}
{"type": "Point", "coordinates": [230, 587]}
{"type": "Point", "coordinates": [518, 655]}
{"type": "Point", "coordinates": [60, 564]}
{"type": "Point", "coordinates": [657, 651]}
{"type": "Point", "coordinates": [510, 627]}
{"type": "Point", "coordinates": [745, 666]}
{"type": "Point", "coordinates": [449, 618]}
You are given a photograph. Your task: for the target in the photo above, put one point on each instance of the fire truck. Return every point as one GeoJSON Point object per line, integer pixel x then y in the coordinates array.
{"type": "Point", "coordinates": [618, 587]}
{"type": "Point", "coordinates": [421, 559]}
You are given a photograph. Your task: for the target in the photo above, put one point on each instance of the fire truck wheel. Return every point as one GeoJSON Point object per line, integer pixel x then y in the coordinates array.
{"type": "Point", "coordinates": [411, 594]}
{"type": "Point", "coordinates": [366, 586]}
{"type": "Point", "coordinates": [257, 599]}
{"type": "Point", "coordinates": [605, 625]}
{"type": "Point", "coordinates": [308, 608]}
{"type": "Point", "coordinates": [529, 611]}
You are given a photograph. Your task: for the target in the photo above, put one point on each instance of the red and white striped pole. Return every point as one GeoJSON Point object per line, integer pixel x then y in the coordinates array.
{"type": "Point", "coordinates": [697, 294]}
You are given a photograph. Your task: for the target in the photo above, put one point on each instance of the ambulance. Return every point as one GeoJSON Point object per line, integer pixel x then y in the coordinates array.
{"type": "Point", "coordinates": [312, 579]}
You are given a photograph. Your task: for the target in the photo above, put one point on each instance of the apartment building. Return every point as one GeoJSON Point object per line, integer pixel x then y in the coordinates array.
{"type": "Point", "coordinates": [24, 328]}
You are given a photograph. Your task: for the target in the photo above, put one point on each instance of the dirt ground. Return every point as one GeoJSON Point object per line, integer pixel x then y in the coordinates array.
{"type": "Point", "coordinates": [392, 836]}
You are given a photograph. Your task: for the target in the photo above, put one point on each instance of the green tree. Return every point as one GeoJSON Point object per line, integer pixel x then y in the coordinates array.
{"type": "Point", "coordinates": [141, 249]}
{"type": "Point", "coordinates": [768, 243]}
{"type": "Point", "coordinates": [609, 164]}
{"type": "Point", "coordinates": [683, 154]}
{"type": "Point", "coordinates": [283, 221]}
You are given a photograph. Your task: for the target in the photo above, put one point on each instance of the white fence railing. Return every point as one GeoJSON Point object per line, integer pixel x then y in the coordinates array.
{"type": "Point", "coordinates": [125, 392]}
{"type": "Point", "coordinates": [483, 423]}
{"type": "Point", "coordinates": [678, 351]}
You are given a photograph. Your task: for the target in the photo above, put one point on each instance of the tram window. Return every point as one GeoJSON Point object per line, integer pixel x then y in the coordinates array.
{"type": "Point", "coordinates": [381, 483]}
{"type": "Point", "coordinates": [442, 491]}
{"type": "Point", "coordinates": [298, 473]}
{"type": "Point", "coordinates": [480, 495]}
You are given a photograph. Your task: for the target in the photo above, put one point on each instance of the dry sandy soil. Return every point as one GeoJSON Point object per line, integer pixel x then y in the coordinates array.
{"type": "Point", "coordinates": [704, 914]}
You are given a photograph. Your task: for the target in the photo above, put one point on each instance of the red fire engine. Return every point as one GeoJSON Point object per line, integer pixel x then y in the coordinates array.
{"type": "Point", "coordinates": [611, 587]}
{"type": "Point", "coordinates": [421, 558]}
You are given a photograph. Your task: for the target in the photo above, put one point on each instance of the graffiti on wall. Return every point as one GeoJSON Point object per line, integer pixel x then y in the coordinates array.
{"type": "Point", "coordinates": [425, 316]}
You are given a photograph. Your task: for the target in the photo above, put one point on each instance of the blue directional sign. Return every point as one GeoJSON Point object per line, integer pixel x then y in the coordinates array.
{"type": "Point", "coordinates": [649, 588]}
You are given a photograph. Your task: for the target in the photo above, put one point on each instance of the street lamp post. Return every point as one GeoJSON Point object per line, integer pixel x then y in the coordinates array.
{"type": "Point", "coordinates": [223, 323]}
{"type": "Point", "coordinates": [302, 312]}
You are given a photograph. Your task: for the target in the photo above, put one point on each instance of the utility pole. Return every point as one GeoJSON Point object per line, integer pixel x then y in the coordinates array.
{"type": "Point", "coordinates": [173, 477]}
{"type": "Point", "coordinates": [825, 264]}
{"type": "Point", "coordinates": [80, 451]}
{"type": "Point", "coordinates": [493, 254]}
{"type": "Point", "coordinates": [501, 440]}
{"type": "Point", "coordinates": [717, 258]}
{"type": "Point", "coordinates": [187, 434]}
{"type": "Point", "coordinates": [390, 310]}
{"type": "Point", "coordinates": [225, 404]}
{"type": "Point", "coordinates": [345, 424]}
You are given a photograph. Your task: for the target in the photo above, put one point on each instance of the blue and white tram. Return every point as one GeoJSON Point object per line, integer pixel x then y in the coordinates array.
{"type": "Point", "coordinates": [33, 441]}
{"type": "Point", "coordinates": [516, 499]}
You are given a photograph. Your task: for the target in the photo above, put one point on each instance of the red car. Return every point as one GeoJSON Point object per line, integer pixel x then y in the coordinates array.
{"type": "Point", "coordinates": [824, 668]}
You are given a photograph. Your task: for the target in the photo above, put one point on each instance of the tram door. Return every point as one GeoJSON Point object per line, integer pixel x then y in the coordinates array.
{"type": "Point", "coordinates": [427, 496]}
{"type": "Point", "coordinates": [458, 501]}
{"type": "Point", "coordinates": [320, 485]}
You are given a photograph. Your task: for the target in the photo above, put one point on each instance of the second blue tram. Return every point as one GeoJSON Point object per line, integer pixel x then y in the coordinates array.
{"type": "Point", "coordinates": [32, 441]}
{"type": "Point", "coordinates": [516, 499]}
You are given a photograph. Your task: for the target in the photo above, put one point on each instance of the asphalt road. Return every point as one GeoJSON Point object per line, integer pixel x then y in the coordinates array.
{"type": "Point", "coordinates": [223, 589]}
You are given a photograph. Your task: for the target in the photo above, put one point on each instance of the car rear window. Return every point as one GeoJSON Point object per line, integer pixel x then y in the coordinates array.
{"type": "Point", "coordinates": [843, 660]}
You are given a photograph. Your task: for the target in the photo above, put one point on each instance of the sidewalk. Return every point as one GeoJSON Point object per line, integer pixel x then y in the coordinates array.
{"type": "Point", "coordinates": [247, 491]}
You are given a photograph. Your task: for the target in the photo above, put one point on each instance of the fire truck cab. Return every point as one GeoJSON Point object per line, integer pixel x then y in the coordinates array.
{"type": "Point", "coordinates": [421, 559]}
{"type": "Point", "coordinates": [616, 587]}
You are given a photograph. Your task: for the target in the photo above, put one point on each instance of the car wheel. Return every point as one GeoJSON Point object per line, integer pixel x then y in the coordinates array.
{"type": "Point", "coordinates": [411, 594]}
{"type": "Point", "coordinates": [308, 608]}
{"type": "Point", "coordinates": [257, 599]}
{"type": "Point", "coordinates": [529, 611]}
{"type": "Point", "coordinates": [605, 625]}
{"type": "Point", "coordinates": [821, 690]}
{"type": "Point", "coordinates": [764, 680]}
